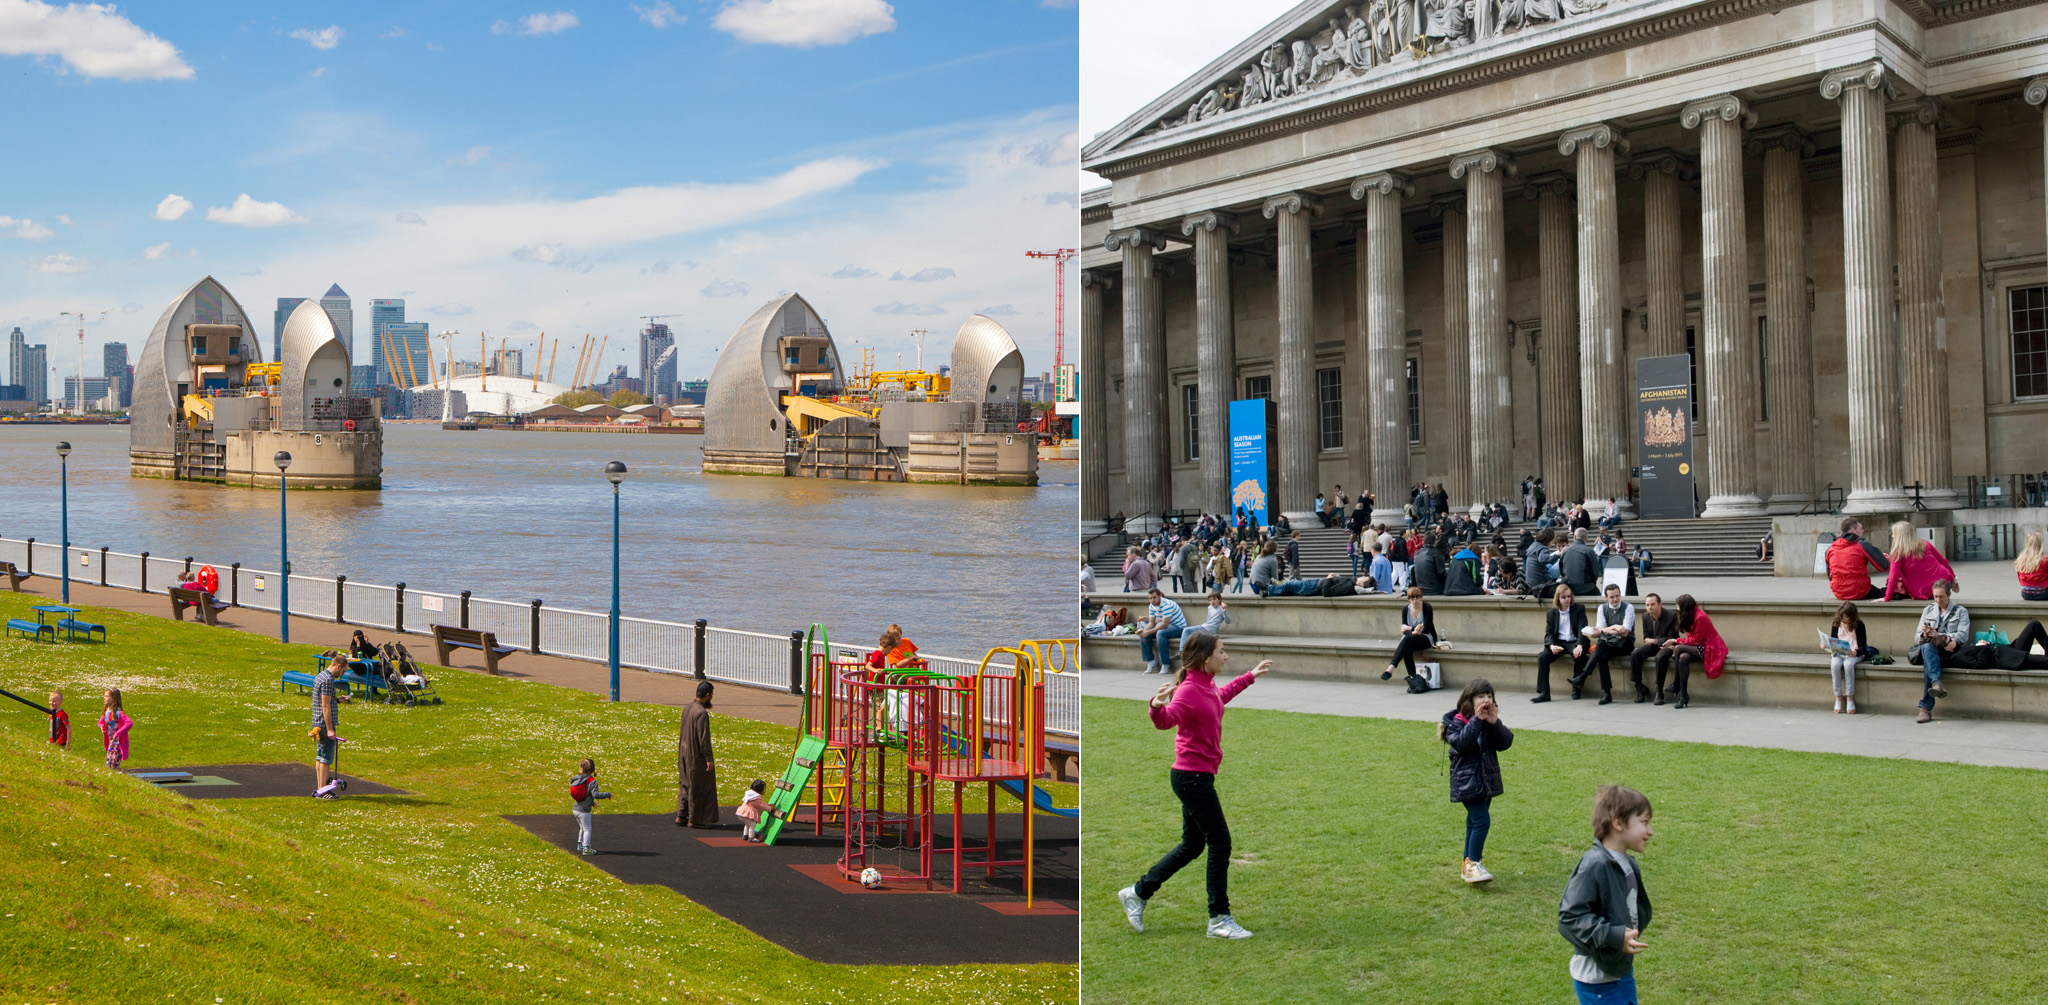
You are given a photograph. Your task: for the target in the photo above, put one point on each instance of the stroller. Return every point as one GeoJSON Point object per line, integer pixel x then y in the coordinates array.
{"type": "Point", "coordinates": [402, 677]}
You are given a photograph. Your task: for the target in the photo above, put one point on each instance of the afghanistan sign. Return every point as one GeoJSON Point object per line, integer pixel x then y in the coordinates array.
{"type": "Point", "coordinates": [1254, 465]}
{"type": "Point", "coordinates": [1664, 436]}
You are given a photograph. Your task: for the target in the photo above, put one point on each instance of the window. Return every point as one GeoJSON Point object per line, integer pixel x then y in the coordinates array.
{"type": "Point", "coordinates": [1763, 369]}
{"type": "Point", "coordinates": [2029, 313]}
{"type": "Point", "coordinates": [791, 356]}
{"type": "Point", "coordinates": [1692, 355]}
{"type": "Point", "coordinates": [1414, 375]}
{"type": "Point", "coordinates": [1191, 413]}
{"type": "Point", "coordinates": [1330, 407]}
{"type": "Point", "coordinates": [1258, 387]}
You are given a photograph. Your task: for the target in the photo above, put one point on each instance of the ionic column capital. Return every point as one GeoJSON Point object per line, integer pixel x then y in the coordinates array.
{"type": "Point", "coordinates": [1726, 107]}
{"type": "Point", "coordinates": [2036, 91]}
{"type": "Point", "coordinates": [1553, 182]}
{"type": "Point", "coordinates": [1208, 221]}
{"type": "Point", "coordinates": [1663, 161]}
{"type": "Point", "coordinates": [1873, 75]}
{"type": "Point", "coordinates": [1097, 277]}
{"type": "Point", "coordinates": [1483, 161]}
{"type": "Point", "coordinates": [1449, 202]}
{"type": "Point", "coordinates": [1779, 138]}
{"type": "Point", "coordinates": [1600, 134]}
{"type": "Point", "coordinates": [1385, 183]}
{"type": "Point", "coordinates": [1921, 111]}
{"type": "Point", "coordinates": [1292, 202]}
{"type": "Point", "coordinates": [1132, 237]}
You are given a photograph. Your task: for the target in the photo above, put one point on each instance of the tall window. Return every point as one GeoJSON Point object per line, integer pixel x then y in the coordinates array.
{"type": "Point", "coordinates": [1191, 412]}
{"type": "Point", "coordinates": [1763, 369]}
{"type": "Point", "coordinates": [2029, 306]}
{"type": "Point", "coordinates": [1414, 374]}
{"type": "Point", "coordinates": [1258, 387]}
{"type": "Point", "coordinates": [1692, 355]}
{"type": "Point", "coordinates": [1330, 407]}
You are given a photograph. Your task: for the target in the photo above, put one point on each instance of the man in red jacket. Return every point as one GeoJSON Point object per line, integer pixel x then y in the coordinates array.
{"type": "Point", "coordinates": [1850, 561]}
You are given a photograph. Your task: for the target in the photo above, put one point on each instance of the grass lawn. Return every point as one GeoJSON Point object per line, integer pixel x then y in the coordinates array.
{"type": "Point", "coordinates": [114, 891]}
{"type": "Point", "coordinates": [1776, 876]}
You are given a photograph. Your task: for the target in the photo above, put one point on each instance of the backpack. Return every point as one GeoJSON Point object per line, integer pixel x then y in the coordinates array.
{"type": "Point", "coordinates": [580, 791]}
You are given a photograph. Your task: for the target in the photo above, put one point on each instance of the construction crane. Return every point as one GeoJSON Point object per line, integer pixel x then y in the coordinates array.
{"type": "Point", "coordinates": [652, 318]}
{"type": "Point", "coordinates": [1059, 300]}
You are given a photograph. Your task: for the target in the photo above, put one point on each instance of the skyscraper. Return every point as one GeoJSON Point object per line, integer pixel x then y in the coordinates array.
{"type": "Point", "coordinates": [16, 342]}
{"type": "Point", "coordinates": [383, 314]}
{"type": "Point", "coordinates": [408, 365]}
{"type": "Point", "coordinates": [342, 311]}
{"type": "Point", "coordinates": [653, 340]}
{"type": "Point", "coordinates": [114, 368]}
{"type": "Point", "coordinates": [33, 372]}
{"type": "Point", "coordinates": [285, 307]}
{"type": "Point", "coordinates": [95, 389]}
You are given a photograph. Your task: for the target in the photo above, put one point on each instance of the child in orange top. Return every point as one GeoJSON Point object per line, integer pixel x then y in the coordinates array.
{"type": "Point", "coordinates": [60, 721]}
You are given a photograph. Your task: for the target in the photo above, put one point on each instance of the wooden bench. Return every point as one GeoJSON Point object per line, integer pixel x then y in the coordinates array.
{"type": "Point", "coordinates": [30, 628]}
{"type": "Point", "coordinates": [448, 637]}
{"type": "Point", "coordinates": [73, 628]}
{"type": "Point", "coordinates": [206, 604]}
{"type": "Point", "coordinates": [14, 575]}
{"type": "Point", "coordinates": [1061, 752]}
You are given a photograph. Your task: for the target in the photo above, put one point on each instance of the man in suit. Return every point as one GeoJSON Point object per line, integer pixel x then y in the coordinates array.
{"type": "Point", "coordinates": [1579, 566]}
{"type": "Point", "coordinates": [1659, 625]}
{"type": "Point", "coordinates": [1564, 626]}
{"type": "Point", "coordinates": [1614, 626]}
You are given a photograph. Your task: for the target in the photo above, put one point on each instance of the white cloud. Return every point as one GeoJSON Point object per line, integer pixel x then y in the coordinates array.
{"type": "Point", "coordinates": [539, 24]}
{"type": "Point", "coordinates": [1000, 311]}
{"type": "Point", "coordinates": [393, 33]}
{"type": "Point", "coordinates": [473, 155]}
{"type": "Point", "coordinates": [660, 267]}
{"type": "Point", "coordinates": [804, 23]}
{"type": "Point", "coordinates": [27, 230]}
{"type": "Point", "coordinates": [173, 207]}
{"type": "Point", "coordinates": [58, 264]}
{"type": "Point", "coordinates": [725, 288]}
{"type": "Point", "coordinates": [853, 272]}
{"type": "Point", "coordinates": [546, 254]}
{"type": "Point", "coordinates": [925, 275]}
{"type": "Point", "coordinates": [895, 307]}
{"type": "Point", "coordinates": [325, 38]}
{"type": "Point", "coordinates": [660, 15]}
{"type": "Point", "coordinates": [1063, 199]}
{"type": "Point", "coordinates": [156, 251]}
{"type": "Point", "coordinates": [93, 39]}
{"type": "Point", "coordinates": [64, 219]}
{"type": "Point", "coordinates": [411, 217]}
{"type": "Point", "coordinates": [247, 212]}
{"type": "Point", "coordinates": [317, 71]}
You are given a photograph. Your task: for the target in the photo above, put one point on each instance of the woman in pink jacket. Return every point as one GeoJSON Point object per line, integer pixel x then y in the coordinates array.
{"type": "Point", "coordinates": [114, 726]}
{"type": "Point", "coordinates": [1696, 642]}
{"type": "Point", "coordinates": [1916, 565]}
{"type": "Point", "coordinates": [1194, 703]}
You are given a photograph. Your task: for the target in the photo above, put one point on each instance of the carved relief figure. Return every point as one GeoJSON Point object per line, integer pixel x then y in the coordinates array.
{"type": "Point", "coordinates": [1252, 90]}
{"type": "Point", "coordinates": [1269, 67]}
{"type": "Point", "coordinates": [1329, 56]}
{"type": "Point", "coordinates": [1358, 51]}
{"type": "Point", "coordinates": [1449, 23]}
{"type": "Point", "coordinates": [1298, 74]}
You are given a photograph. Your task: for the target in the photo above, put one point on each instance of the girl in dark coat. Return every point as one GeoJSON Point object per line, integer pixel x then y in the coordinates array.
{"type": "Point", "coordinates": [1475, 735]}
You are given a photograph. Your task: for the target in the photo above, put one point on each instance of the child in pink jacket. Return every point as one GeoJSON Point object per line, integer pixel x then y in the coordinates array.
{"type": "Point", "coordinates": [114, 726]}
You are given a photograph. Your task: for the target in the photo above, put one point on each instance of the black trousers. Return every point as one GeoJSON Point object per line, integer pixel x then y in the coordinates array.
{"type": "Point", "coordinates": [1201, 826]}
{"type": "Point", "coordinates": [1606, 648]}
{"type": "Point", "coordinates": [1644, 653]}
{"type": "Point", "coordinates": [1685, 657]}
{"type": "Point", "coordinates": [1543, 662]}
{"type": "Point", "coordinates": [1405, 650]}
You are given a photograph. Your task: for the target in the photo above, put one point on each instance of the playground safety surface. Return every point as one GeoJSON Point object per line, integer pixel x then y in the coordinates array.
{"type": "Point", "coordinates": [789, 893]}
{"type": "Point", "coordinates": [256, 781]}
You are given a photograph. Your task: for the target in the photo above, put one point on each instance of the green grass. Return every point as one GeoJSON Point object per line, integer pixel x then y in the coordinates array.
{"type": "Point", "coordinates": [1775, 876]}
{"type": "Point", "coordinates": [117, 892]}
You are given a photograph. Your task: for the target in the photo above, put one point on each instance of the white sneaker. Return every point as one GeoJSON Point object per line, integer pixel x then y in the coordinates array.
{"type": "Point", "coordinates": [1223, 926]}
{"type": "Point", "coordinates": [1134, 907]}
{"type": "Point", "coordinates": [1476, 873]}
{"type": "Point", "coordinates": [1838, 703]}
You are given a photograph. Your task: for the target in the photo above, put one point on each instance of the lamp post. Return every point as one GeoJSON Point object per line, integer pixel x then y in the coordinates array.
{"type": "Point", "coordinates": [283, 459]}
{"type": "Point", "coordinates": [64, 497]}
{"type": "Point", "coordinates": [615, 472]}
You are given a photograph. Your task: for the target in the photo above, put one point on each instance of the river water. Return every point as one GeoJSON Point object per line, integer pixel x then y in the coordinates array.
{"type": "Point", "coordinates": [518, 516]}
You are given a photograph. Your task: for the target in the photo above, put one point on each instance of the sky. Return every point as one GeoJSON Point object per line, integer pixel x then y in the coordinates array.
{"type": "Point", "coordinates": [1133, 51]}
{"type": "Point", "coordinates": [515, 169]}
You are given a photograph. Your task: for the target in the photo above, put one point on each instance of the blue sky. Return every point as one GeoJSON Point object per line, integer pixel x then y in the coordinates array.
{"type": "Point", "coordinates": [557, 167]}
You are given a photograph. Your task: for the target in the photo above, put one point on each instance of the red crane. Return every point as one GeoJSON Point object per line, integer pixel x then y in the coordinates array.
{"type": "Point", "coordinates": [1059, 301]}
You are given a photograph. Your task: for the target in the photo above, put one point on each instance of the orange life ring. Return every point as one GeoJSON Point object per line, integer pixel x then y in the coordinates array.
{"type": "Point", "coordinates": [209, 579]}
{"type": "Point", "coordinates": [348, 425]}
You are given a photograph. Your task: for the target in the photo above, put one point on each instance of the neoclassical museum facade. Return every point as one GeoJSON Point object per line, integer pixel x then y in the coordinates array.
{"type": "Point", "coordinates": [1438, 234]}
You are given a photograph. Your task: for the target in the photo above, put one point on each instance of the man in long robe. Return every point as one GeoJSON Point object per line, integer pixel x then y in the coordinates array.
{"type": "Point", "coordinates": [696, 779]}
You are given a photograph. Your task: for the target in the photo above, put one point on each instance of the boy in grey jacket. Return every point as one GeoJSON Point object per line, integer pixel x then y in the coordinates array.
{"type": "Point", "coordinates": [583, 789]}
{"type": "Point", "coordinates": [1605, 906]}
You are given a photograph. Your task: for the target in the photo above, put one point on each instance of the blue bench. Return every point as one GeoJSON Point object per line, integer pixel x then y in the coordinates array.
{"type": "Point", "coordinates": [30, 628]}
{"type": "Point", "coordinates": [303, 680]}
{"type": "Point", "coordinates": [73, 628]}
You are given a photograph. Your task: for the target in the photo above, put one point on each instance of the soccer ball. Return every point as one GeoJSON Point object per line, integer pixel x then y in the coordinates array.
{"type": "Point", "coordinates": [871, 878]}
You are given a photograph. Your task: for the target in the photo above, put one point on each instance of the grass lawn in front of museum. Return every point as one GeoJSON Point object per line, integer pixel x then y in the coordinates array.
{"type": "Point", "coordinates": [1774, 875]}
{"type": "Point", "coordinates": [117, 891]}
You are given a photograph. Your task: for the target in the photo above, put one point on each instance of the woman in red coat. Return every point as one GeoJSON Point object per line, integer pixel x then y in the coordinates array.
{"type": "Point", "coordinates": [1697, 642]}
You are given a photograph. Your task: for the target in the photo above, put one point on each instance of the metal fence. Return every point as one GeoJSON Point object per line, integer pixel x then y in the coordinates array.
{"type": "Point", "coordinates": [754, 659]}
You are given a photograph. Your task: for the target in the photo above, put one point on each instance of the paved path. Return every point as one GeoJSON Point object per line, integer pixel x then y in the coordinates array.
{"type": "Point", "coordinates": [595, 678]}
{"type": "Point", "coordinates": [1967, 741]}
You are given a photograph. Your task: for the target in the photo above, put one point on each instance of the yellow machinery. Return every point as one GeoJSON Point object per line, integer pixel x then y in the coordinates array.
{"type": "Point", "coordinates": [931, 384]}
{"type": "Point", "coordinates": [808, 415]}
{"type": "Point", "coordinates": [259, 379]}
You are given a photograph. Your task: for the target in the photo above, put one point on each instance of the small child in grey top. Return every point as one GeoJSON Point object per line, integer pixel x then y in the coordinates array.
{"type": "Point", "coordinates": [583, 789]}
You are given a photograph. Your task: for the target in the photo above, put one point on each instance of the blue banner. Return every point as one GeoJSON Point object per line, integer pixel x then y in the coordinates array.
{"type": "Point", "coordinates": [1254, 427]}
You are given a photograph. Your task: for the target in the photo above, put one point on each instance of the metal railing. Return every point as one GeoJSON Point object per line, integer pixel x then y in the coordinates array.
{"type": "Point", "coordinates": [728, 655]}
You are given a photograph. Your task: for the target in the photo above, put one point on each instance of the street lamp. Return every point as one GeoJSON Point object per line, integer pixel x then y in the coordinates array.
{"type": "Point", "coordinates": [283, 459]}
{"type": "Point", "coordinates": [615, 472]}
{"type": "Point", "coordinates": [64, 495]}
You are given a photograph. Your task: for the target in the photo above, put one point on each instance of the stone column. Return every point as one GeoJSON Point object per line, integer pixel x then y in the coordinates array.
{"type": "Point", "coordinates": [1146, 436]}
{"type": "Point", "coordinates": [1558, 374]}
{"type": "Point", "coordinates": [1294, 387]}
{"type": "Point", "coordinates": [1094, 406]}
{"type": "Point", "coordinates": [1875, 472]}
{"type": "Point", "coordinates": [2036, 93]}
{"type": "Point", "coordinates": [1923, 345]}
{"type": "Point", "coordinates": [1493, 479]}
{"type": "Point", "coordinates": [1604, 413]}
{"type": "Point", "coordinates": [1790, 380]}
{"type": "Point", "coordinates": [1216, 351]}
{"type": "Point", "coordinates": [1728, 363]}
{"type": "Point", "coordinates": [1663, 250]}
{"type": "Point", "coordinates": [1386, 329]}
{"type": "Point", "coordinates": [1456, 457]}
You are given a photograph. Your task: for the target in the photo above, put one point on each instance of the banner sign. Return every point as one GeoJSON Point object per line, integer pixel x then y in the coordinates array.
{"type": "Point", "coordinates": [1664, 437]}
{"type": "Point", "coordinates": [1254, 464]}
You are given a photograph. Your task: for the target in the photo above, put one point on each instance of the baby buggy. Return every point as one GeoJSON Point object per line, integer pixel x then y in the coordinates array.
{"type": "Point", "coordinates": [403, 680]}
